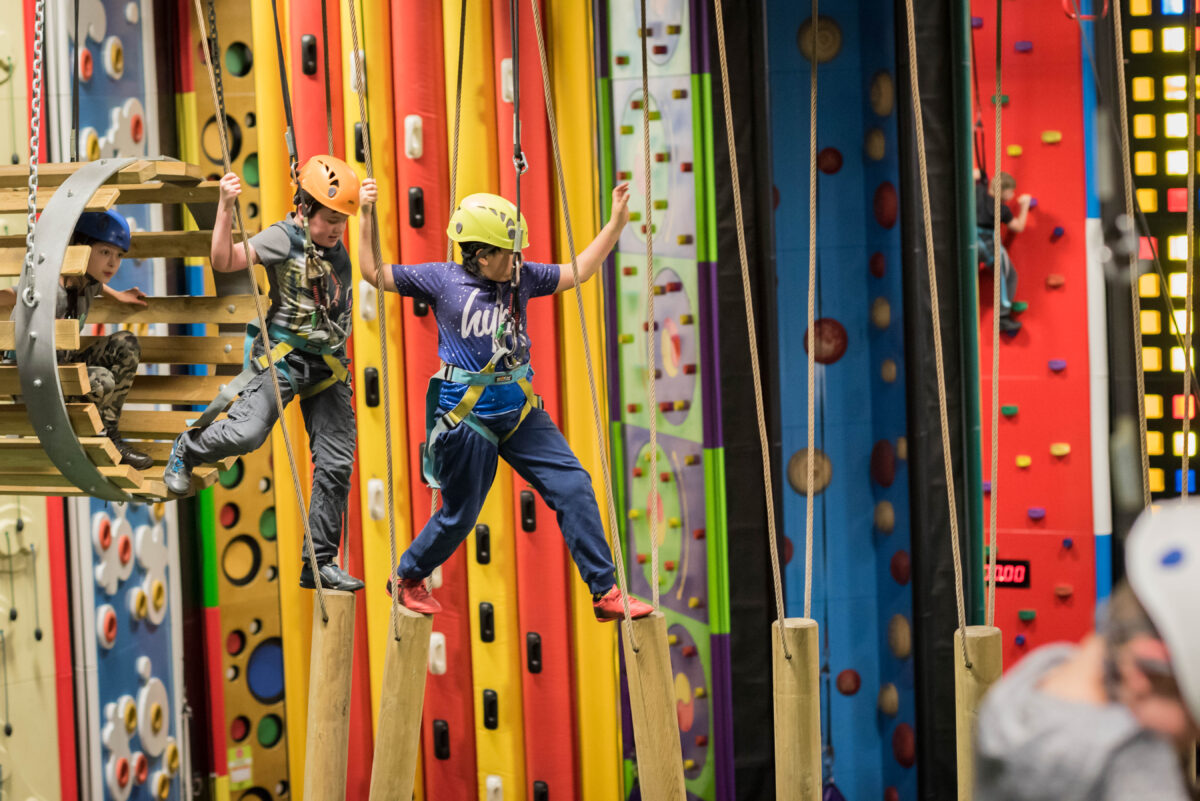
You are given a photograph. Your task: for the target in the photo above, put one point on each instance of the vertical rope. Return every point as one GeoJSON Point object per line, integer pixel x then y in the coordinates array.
{"type": "Point", "coordinates": [651, 322]}
{"type": "Point", "coordinates": [328, 93]}
{"type": "Point", "coordinates": [1190, 43]}
{"type": "Point", "coordinates": [994, 500]}
{"type": "Point", "coordinates": [1134, 288]}
{"type": "Point", "coordinates": [810, 489]}
{"type": "Point", "coordinates": [597, 418]}
{"type": "Point", "coordinates": [751, 328]}
{"type": "Point", "coordinates": [926, 212]}
{"type": "Point", "coordinates": [240, 230]}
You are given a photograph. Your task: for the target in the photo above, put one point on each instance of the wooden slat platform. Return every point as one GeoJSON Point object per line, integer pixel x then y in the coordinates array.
{"type": "Point", "coordinates": [156, 425]}
{"type": "Point", "coordinates": [176, 389]}
{"type": "Point", "coordinates": [12, 259]}
{"type": "Point", "coordinates": [16, 176]}
{"type": "Point", "coordinates": [25, 453]}
{"type": "Point", "coordinates": [123, 476]}
{"type": "Point", "coordinates": [73, 378]}
{"type": "Point", "coordinates": [66, 334]}
{"type": "Point", "coordinates": [161, 451]}
{"type": "Point", "coordinates": [14, 420]}
{"type": "Point", "coordinates": [183, 349]}
{"type": "Point", "coordinates": [143, 245]}
{"type": "Point", "coordinates": [177, 310]}
{"type": "Point", "coordinates": [16, 201]}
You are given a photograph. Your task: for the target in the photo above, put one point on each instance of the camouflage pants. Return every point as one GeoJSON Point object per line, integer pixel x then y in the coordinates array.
{"type": "Point", "coordinates": [111, 364]}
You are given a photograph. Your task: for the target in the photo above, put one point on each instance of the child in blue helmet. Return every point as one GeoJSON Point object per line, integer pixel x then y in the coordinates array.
{"type": "Point", "coordinates": [485, 406]}
{"type": "Point", "coordinates": [112, 360]}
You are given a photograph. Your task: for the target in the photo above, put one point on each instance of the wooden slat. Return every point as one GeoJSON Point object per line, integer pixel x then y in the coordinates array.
{"type": "Point", "coordinates": [85, 420]}
{"type": "Point", "coordinates": [122, 475]}
{"type": "Point", "coordinates": [73, 378]}
{"type": "Point", "coordinates": [137, 424]}
{"type": "Point", "coordinates": [26, 453]}
{"type": "Point", "coordinates": [161, 451]}
{"type": "Point", "coordinates": [169, 192]}
{"type": "Point", "coordinates": [202, 478]}
{"type": "Point", "coordinates": [176, 389]}
{"type": "Point", "coordinates": [173, 171]}
{"type": "Point", "coordinates": [17, 176]}
{"type": "Point", "coordinates": [75, 262]}
{"type": "Point", "coordinates": [16, 201]}
{"type": "Point", "coordinates": [144, 245]}
{"type": "Point", "coordinates": [176, 310]}
{"type": "Point", "coordinates": [66, 334]}
{"type": "Point", "coordinates": [183, 349]}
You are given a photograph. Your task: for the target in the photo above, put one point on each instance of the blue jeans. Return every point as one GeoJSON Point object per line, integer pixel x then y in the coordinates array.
{"type": "Point", "coordinates": [1008, 273]}
{"type": "Point", "coordinates": [541, 456]}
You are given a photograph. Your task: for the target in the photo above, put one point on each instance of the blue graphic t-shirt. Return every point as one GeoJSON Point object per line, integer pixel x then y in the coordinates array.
{"type": "Point", "coordinates": [468, 309]}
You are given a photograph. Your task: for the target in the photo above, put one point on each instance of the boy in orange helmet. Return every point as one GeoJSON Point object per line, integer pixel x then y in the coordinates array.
{"type": "Point", "coordinates": [308, 323]}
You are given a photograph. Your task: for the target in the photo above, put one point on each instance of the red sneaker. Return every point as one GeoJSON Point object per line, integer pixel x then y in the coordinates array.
{"type": "Point", "coordinates": [610, 606]}
{"type": "Point", "coordinates": [415, 597]}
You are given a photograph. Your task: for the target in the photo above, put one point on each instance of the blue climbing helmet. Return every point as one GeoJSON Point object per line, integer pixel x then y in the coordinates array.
{"type": "Point", "coordinates": [105, 226]}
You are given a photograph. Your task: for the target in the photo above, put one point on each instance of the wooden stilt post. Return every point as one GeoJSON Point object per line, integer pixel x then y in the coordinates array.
{"type": "Point", "coordinates": [329, 678]}
{"type": "Point", "coordinates": [398, 739]}
{"type": "Point", "coordinates": [652, 706]}
{"type": "Point", "coordinates": [985, 653]}
{"type": "Point", "coordinates": [797, 710]}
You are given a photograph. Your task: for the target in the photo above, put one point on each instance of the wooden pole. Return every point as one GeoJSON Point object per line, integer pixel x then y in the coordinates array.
{"type": "Point", "coordinates": [797, 710]}
{"type": "Point", "coordinates": [985, 652]}
{"type": "Point", "coordinates": [398, 739]}
{"type": "Point", "coordinates": [652, 706]}
{"type": "Point", "coordinates": [329, 677]}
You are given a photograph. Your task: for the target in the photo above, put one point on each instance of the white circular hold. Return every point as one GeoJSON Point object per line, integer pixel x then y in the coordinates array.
{"type": "Point", "coordinates": [143, 538]}
{"type": "Point", "coordinates": [106, 627]}
{"type": "Point", "coordinates": [155, 613]}
{"type": "Point", "coordinates": [131, 13]}
{"type": "Point", "coordinates": [144, 667]}
{"type": "Point", "coordinates": [135, 600]}
{"type": "Point", "coordinates": [153, 692]}
{"type": "Point", "coordinates": [98, 521]}
{"type": "Point", "coordinates": [114, 58]}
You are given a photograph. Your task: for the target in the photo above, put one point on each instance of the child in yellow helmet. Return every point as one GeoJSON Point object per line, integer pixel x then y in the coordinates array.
{"type": "Point", "coordinates": [308, 322]}
{"type": "Point", "coordinates": [484, 398]}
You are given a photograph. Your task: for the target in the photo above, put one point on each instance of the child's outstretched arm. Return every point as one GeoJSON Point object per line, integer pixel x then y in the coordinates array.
{"type": "Point", "coordinates": [1017, 223]}
{"type": "Point", "coordinates": [224, 256]}
{"type": "Point", "coordinates": [367, 195]}
{"type": "Point", "coordinates": [591, 257]}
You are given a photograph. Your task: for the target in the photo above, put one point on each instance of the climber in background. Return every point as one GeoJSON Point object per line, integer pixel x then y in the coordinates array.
{"type": "Point", "coordinates": [986, 235]}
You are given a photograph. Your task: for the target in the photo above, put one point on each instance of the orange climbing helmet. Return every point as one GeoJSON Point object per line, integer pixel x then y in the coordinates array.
{"type": "Point", "coordinates": [331, 182]}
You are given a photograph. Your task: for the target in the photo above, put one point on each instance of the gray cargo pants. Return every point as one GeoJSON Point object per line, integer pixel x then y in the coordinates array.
{"type": "Point", "coordinates": [329, 420]}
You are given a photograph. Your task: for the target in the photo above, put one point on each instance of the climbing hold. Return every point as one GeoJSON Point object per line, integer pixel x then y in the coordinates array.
{"type": "Point", "coordinates": [1003, 100]}
{"type": "Point", "coordinates": [891, 794]}
{"type": "Point", "coordinates": [888, 700]}
{"type": "Point", "coordinates": [1057, 233]}
{"type": "Point", "coordinates": [831, 340]}
{"type": "Point", "coordinates": [902, 448]}
{"type": "Point", "coordinates": [1052, 137]}
{"type": "Point", "coordinates": [829, 160]}
{"type": "Point", "coordinates": [900, 637]}
{"type": "Point", "coordinates": [1064, 590]}
{"type": "Point", "coordinates": [1019, 306]}
{"type": "Point", "coordinates": [1023, 461]}
{"type": "Point", "coordinates": [641, 558]}
{"type": "Point", "coordinates": [987, 487]}
{"type": "Point", "coordinates": [1019, 639]}
{"type": "Point", "coordinates": [1009, 410]}
{"type": "Point", "coordinates": [1027, 615]}
{"type": "Point", "coordinates": [1036, 513]}
{"type": "Point", "coordinates": [1014, 150]}
{"type": "Point", "coordinates": [887, 371]}
{"type": "Point", "coordinates": [886, 204]}
{"type": "Point", "coordinates": [877, 264]}
{"type": "Point", "coordinates": [904, 745]}
{"type": "Point", "coordinates": [1033, 202]}
{"type": "Point", "coordinates": [885, 517]}
{"type": "Point", "coordinates": [694, 602]}
{"type": "Point", "coordinates": [625, 339]}
{"type": "Point", "coordinates": [976, 22]}
{"type": "Point", "coordinates": [1059, 449]}
{"type": "Point", "coordinates": [1054, 281]}
{"type": "Point", "coordinates": [883, 93]}
{"type": "Point", "coordinates": [1023, 46]}
{"type": "Point", "coordinates": [1068, 543]}
{"type": "Point", "coordinates": [688, 650]}
{"type": "Point", "coordinates": [798, 471]}
{"type": "Point", "coordinates": [883, 463]}
{"type": "Point", "coordinates": [901, 567]}
{"type": "Point", "coordinates": [848, 682]}
{"type": "Point", "coordinates": [698, 534]}
{"type": "Point", "coordinates": [875, 144]}
{"type": "Point", "coordinates": [1057, 365]}
{"type": "Point", "coordinates": [881, 313]}
{"type": "Point", "coordinates": [633, 408]}
{"type": "Point", "coordinates": [828, 39]}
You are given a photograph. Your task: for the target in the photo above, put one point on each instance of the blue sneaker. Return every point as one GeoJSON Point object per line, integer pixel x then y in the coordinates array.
{"type": "Point", "coordinates": [178, 474]}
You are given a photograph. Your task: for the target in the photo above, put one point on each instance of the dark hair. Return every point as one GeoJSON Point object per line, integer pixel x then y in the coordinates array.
{"type": "Point", "coordinates": [307, 204]}
{"type": "Point", "coordinates": [83, 239]}
{"type": "Point", "coordinates": [471, 251]}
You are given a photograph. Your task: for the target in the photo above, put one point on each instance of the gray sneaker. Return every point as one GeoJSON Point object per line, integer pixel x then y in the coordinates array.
{"type": "Point", "coordinates": [178, 474]}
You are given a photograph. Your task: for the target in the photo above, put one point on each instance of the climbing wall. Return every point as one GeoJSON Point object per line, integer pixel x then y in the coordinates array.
{"type": "Point", "coordinates": [128, 650]}
{"type": "Point", "coordinates": [690, 512]}
{"type": "Point", "coordinates": [37, 757]}
{"type": "Point", "coordinates": [860, 594]}
{"type": "Point", "coordinates": [1047, 549]}
{"type": "Point", "coordinates": [1156, 75]}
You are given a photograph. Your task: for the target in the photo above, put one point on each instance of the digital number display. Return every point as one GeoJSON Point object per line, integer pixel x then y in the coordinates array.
{"type": "Point", "coordinates": [1009, 572]}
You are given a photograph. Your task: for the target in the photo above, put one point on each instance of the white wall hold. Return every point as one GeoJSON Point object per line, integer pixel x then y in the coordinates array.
{"type": "Point", "coordinates": [114, 58]}
{"type": "Point", "coordinates": [132, 15]}
{"type": "Point", "coordinates": [367, 302]}
{"type": "Point", "coordinates": [93, 19]}
{"type": "Point", "coordinates": [376, 499]}
{"type": "Point", "coordinates": [351, 70]}
{"type": "Point", "coordinates": [495, 788]}
{"type": "Point", "coordinates": [506, 80]}
{"type": "Point", "coordinates": [437, 653]}
{"type": "Point", "coordinates": [414, 136]}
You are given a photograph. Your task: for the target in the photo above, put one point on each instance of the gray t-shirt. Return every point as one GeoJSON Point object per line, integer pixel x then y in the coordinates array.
{"type": "Point", "coordinates": [1033, 746]}
{"type": "Point", "coordinates": [74, 303]}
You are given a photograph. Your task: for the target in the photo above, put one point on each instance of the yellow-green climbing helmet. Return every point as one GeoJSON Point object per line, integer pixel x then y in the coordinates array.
{"type": "Point", "coordinates": [487, 218]}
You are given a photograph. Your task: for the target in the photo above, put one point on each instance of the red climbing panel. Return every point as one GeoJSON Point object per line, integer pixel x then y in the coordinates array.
{"type": "Point", "coordinates": [1044, 498]}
